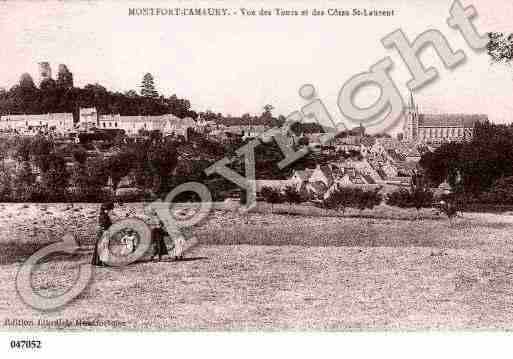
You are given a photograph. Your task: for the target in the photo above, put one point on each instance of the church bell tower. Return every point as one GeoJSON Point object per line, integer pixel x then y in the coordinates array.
{"type": "Point", "coordinates": [411, 120]}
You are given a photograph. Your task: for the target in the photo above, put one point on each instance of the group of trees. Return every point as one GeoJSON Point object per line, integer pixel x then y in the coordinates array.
{"type": "Point", "coordinates": [42, 173]}
{"type": "Point", "coordinates": [480, 170]}
{"type": "Point", "coordinates": [348, 197]}
{"type": "Point", "coordinates": [61, 96]}
{"type": "Point", "coordinates": [417, 196]}
{"type": "Point", "coordinates": [339, 199]}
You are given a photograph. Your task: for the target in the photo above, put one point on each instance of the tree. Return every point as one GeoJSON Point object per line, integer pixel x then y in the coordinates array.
{"type": "Point", "coordinates": [501, 192]}
{"type": "Point", "coordinates": [272, 196]}
{"type": "Point", "coordinates": [442, 164]}
{"type": "Point", "coordinates": [26, 81]}
{"type": "Point", "coordinates": [24, 180]}
{"type": "Point", "coordinates": [22, 149]}
{"type": "Point", "coordinates": [148, 86]}
{"type": "Point", "coordinates": [118, 166]}
{"type": "Point", "coordinates": [419, 196]}
{"type": "Point", "coordinates": [367, 199]}
{"type": "Point", "coordinates": [80, 155]}
{"type": "Point", "coordinates": [54, 178]}
{"type": "Point", "coordinates": [87, 181]}
{"type": "Point", "coordinates": [162, 160]}
{"type": "Point", "coordinates": [339, 199]}
{"type": "Point", "coordinates": [500, 47]}
{"type": "Point", "coordinates": [292, 195]}
{"type": "Point", "coordinates": [268, 111]}
{"type": "Point", "coordinates": [342, 197]}
{"type": "Point", "coordinates": [48, 85]}
{"type": "Point", "coordinates": [64, 77]}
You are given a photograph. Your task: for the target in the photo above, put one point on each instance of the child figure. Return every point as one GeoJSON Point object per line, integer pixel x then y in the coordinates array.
{"type": "Point", "coordinates": [130, 241]}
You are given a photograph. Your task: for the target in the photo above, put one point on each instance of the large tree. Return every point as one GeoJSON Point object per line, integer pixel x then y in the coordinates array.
{"type": "Point", "coordinates": [26, 81]}
{"type": "Point", "coordinates": [500, 47]}
{"type": "Point", "coordinates": [64, 77]}
{"type": "Point", "coordinates": [148, 86]}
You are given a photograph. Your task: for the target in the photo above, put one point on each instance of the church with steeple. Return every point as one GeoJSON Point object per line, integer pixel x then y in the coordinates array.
{"type": "Point", "coordinates": [438, 128]}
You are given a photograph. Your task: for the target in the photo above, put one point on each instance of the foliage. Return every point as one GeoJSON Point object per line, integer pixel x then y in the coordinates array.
{"type": "Point", "coordinates": [418, 196]}
{"type": "Point", "coordinates": [442, 164]}
{"type": "Point", "coordinates": [6, 186]}
{"type": "Point", "coordinates": [272, 195]}
{"type": "Point", "coordinates": [292, 195]}
{"type": "Point", "coordinates": [449, 209]}
{"type": "Point", "coordinates": [473, 167]}
{"type": "Point", "coordinates": [64, 77]}
{"type": "Point", "coordinates": [339, 199]}
{"type": "Point", "coordinates": [24, 180]}
{"type": "Point", "coordinates": [501, 192]}
{"type": "Point", "coordinates": [148, 86]}
{"type": "Point", "coordinates": [88, 182]}
{"type": "Point", "coordinates": [162, 161]}
{"type": "Point", "coordinates": [61, 96]}
{"type": "Point", "coordinates": [54, 178]}
{"type": "Point", "coordinates": [343, 197]}
{"type": "Point", "coordinates": [500, 47]}
{"type": "Point", "coordinates": [268, 111]}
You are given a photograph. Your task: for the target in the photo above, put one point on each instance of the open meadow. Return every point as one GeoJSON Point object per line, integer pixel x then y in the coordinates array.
{"type": "Point", "coordinates": [382, 269]}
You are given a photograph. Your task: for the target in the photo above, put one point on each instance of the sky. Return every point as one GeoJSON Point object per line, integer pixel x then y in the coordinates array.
{"type": "Point", "coordinates": [238, 64]}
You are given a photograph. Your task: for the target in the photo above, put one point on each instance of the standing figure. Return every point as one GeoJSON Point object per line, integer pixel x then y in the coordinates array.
{"type": "Point", "coordinates": [104, 222]}
{"type": "Point", "coordinates": [157, 237]}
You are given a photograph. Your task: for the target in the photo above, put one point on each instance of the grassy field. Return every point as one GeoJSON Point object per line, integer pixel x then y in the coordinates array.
{"type": "Point", "coordinates": [307, 269]}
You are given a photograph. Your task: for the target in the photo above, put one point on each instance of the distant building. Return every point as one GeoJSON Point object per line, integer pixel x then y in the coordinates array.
{"type": "Point", "coordinates": [87, 118]}
{"type": "Point", "coordinates": [167, 124]}
{"type": "Point", "coordinates": [436, 128]}
{"type": "Point", "coordinates": [59, 123]}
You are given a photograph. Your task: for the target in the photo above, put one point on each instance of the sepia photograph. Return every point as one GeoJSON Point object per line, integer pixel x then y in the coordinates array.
{"type": "Point", "coordinates": [222, 166]}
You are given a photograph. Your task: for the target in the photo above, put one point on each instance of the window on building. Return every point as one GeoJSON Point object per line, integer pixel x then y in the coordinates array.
{"type": "Point", "coordinates": [115, 124]}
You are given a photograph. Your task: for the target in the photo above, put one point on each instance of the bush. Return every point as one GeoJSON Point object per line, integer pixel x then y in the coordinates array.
{"type": "Point", "coordinates": [401, 198]}
{"type": "Point", "coordinates": [292, 195]}
{"type": "Point", "coordinates": [419, 197]}
{"type": "Point", "coordinates": [501, 192]}
{"type": "Point", "coordinates": [366, 199]}
{"type": "Point", "coordinates": [272, 195]}
{"type": "Point", "coordinates": [89, 195]}
{"type": "Point", "coordinates": [354, 197]}
{"type": "Point", "coordinates": [129, 195]}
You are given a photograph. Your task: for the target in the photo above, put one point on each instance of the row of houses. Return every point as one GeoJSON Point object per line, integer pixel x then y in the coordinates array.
{"type": "Point", "coordinates": [32, 124]}
{"type": "Point", "coordinates": [321, 180]}
{"type": "Point", "coordinates": [132, 125]}
{"type": "Point", "coordinates": [376, 162]}
{"type": "Point", "coordinates": [63, 123]}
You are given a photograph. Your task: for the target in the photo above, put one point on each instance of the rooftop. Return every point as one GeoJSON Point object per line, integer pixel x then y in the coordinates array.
{"type": "Point", "coordinates": [450, 120]}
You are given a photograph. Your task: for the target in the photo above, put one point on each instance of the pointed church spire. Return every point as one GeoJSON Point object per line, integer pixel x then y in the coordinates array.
{"type": "Point", "coordinates": [412, 102]}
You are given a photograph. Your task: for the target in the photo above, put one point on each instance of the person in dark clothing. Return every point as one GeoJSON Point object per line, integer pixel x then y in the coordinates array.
{"type": "Point", "coordinates": [157, 238]}
{"type": "Point", "coordinates": [104, 222]}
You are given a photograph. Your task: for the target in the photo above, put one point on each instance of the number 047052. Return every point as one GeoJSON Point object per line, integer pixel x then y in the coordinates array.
{"type": "Point", "coordinates": [25, 344]}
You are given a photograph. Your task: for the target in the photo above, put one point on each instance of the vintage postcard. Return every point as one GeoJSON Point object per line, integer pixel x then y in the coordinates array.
{"type": "Point", "coordinates": [255, 166]}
